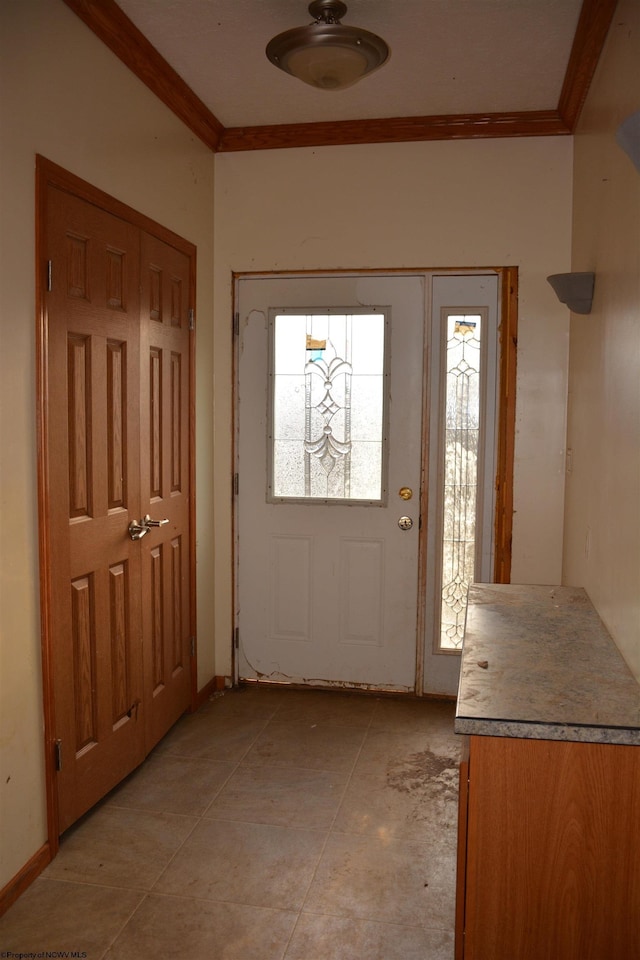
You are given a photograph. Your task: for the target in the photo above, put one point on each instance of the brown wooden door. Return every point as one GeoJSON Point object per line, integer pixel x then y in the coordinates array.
{"type": "Point", "coordinates": [117, 448]}
{"type": "Point", "coordinates": [165, 483]}
{"type": "Point", "coordinates": [94, 476]}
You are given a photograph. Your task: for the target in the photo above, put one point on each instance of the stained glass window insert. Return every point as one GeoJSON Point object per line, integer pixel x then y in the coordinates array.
{"type": "Point", "coordinates": [461, 444]}
{"type": "Point", "coordinates": [327, 406]}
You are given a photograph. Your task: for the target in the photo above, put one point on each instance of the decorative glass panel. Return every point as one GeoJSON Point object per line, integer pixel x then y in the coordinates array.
{"type": "Point", "coordinates": [327, 412]}
{"type": "Point", "coordinates": [461, 435]}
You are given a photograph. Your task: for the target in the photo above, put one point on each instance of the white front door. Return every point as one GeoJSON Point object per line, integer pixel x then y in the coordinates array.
{"type": "Point", "coordinates": [330, 400]}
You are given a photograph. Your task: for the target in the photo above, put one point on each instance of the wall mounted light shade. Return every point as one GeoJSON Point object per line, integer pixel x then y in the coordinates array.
{"type": "Point", "coordinates": [326, 54]}
{"type": "Point", "coordinates": [628, 137]}
{"type": "Point", "coordinates": [574, 289]}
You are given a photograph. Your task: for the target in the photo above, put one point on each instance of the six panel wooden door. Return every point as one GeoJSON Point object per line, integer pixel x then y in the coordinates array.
{"type": "Point", "coordinates": [164, 443]}
{"type": "Point", "coordinates": [118, 449]}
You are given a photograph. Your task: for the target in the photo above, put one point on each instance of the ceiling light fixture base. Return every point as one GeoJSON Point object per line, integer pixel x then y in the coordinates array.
{"type": "Point", "coordinates": [329, 11]}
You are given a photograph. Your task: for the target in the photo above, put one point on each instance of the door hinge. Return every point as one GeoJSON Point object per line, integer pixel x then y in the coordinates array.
{"type": "Point", "coordinates": [236, 484]}
{"type": "Point", "coordinates": [49, 276]}
{"type": "Point", "coordinates": [192, 641]}
{"type": "Point", "coordinates": [236, 638]}
{"type": "Point", "coordinates": [236, 324]}
{"type": "Point", "coordinates": [57, 754]}
{"type": "Point", "coordinates": [192, 319]}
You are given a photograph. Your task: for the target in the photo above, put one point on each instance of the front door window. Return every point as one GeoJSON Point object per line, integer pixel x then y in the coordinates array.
{"type": "Point", "coordinates": [327, 406]}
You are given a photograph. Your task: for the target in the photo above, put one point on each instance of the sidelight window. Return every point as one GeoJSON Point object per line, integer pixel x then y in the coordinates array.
{"type": "Point", "coordinates": [461, 435]}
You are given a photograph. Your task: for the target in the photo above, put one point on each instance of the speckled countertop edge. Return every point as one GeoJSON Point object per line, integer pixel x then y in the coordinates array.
{"type": "Point", "coordinates": [538, 663]}
{"type": "Point", "coordinates": [524, 730]}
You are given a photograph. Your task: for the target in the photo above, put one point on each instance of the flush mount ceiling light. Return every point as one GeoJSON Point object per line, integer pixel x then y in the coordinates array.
{"type": "Point", "coordinates": [327, 54]}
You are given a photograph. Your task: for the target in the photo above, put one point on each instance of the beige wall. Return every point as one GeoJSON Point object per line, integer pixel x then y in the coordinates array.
{"type": "Point", "coordinates": [602, 533]}
{"type": "Point", "coordinates": [448, 204]}
{"type": "Point", "coordinates": [73, 102]}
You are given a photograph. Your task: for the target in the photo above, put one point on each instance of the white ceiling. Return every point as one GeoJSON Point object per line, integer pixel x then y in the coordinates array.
{"type": "Point", "coordinates": [447, 57]}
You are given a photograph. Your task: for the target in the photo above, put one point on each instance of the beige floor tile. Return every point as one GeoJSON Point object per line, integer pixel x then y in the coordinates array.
{"type": "Point", "coordinates": [120, 847]}
{"type": "Point", "coordinates": [265, 803]}
{"type": "Point", "coordinates": [254, 864]}
{"type": "Point", "coordinates": [381, 746]}
{"type": "Point", "coordinates": [323, 745]}
{"type": "Point", "coordinates": [399, 714]}
{"type": "Point", "coordinates": [373, 807]}
{"type": "Point", "coordinates": [54, 917]}
{"type": "Point", "coordinates": [333, 938]}
{"type": "Point", "coordinates": [169, 784]}
{"type": "Point", "coordinates": [425, 754]}
{"type": "Point", "coordinates": [395, 881]}
{"type": "Point", "coordinates": [288, 796]}
{"type": "Point", "coordinates": [401, 788]}
{"type": "Point", "coordinates": [316, 706]}
{"type": "Point", "coordinates": [178, 929]}
{"type": "Point", "coordinates": [212, 735]}
{"type": "Point", "coordinates": [249, 700]}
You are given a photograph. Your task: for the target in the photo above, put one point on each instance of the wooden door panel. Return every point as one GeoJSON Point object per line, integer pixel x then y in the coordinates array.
{"type": "Point", "coordinates": [165, 480]}
{"type": "Point", "coordinates": [115, 444]}
{"type": "Point", "coordinates": [93, 361]}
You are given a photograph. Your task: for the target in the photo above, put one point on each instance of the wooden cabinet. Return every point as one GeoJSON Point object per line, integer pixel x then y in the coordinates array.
{"type": "Point", "coordinates": [549, 851]}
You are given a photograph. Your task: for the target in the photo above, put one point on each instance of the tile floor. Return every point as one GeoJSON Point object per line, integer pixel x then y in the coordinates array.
{"type": "Point", "coordinates": [273, 824]}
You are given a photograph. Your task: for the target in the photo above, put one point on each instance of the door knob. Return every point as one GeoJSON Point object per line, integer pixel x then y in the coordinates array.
{"type": "Point", "coordinates": [405, 523]}
{"type": "Point", "coordinates": [138, 529]}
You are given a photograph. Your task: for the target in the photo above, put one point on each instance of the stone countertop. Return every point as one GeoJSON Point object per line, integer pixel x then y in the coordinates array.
{"type": "Point", "coordinates": [538, 663]}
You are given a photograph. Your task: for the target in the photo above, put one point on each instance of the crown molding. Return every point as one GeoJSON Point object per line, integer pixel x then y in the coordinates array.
{"type": "Point", "coordinates": [115, 29]}
{"type": "Point", "coordinates": [591, 32]}
{"type": "Point", "coordinates": [542, 123]}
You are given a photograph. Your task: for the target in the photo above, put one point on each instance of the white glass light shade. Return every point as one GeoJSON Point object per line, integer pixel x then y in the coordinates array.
{"type": "Point", "coordinates": [329, 67]}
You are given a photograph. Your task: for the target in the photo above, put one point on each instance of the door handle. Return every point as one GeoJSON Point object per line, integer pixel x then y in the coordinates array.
{"type": "Point", "coordinates": [154, 523]}
{"type": "Point", "coordinates": [140, 528]}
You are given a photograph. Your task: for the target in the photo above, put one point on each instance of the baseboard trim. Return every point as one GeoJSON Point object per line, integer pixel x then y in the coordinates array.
{"type": "Point", "coordinates": [353, 690]}
{"type": "Point", "coordinates": [215, 685]}
{"type": "Point", "coordinates": [24, 877]}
